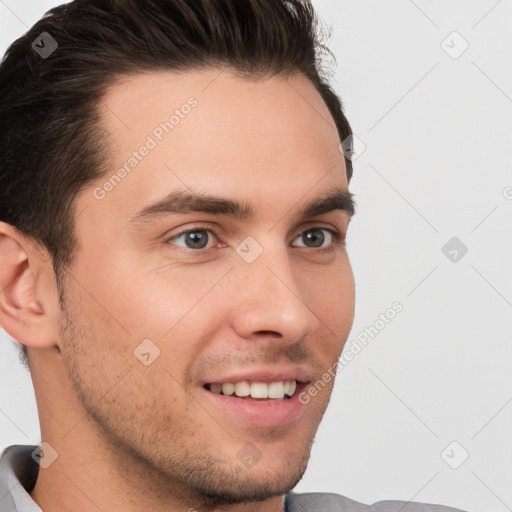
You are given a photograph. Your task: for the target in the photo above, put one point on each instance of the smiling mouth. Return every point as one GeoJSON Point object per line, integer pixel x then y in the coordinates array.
{"type": "Point", "coordinates": [256, 391]}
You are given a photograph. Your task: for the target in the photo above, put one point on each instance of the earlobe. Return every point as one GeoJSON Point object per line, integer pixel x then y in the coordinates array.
{"type": "Point", "coordinates": [22, 311]}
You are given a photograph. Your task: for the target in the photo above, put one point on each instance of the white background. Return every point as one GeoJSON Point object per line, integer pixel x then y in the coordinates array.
{"type": "Point", "coordinates": [436, 132]}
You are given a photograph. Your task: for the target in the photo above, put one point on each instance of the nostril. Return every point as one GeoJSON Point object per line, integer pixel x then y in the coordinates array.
{"type": "Point", "coordinates": [273, 333]}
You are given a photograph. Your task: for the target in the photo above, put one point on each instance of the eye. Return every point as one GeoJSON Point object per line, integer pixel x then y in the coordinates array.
{"type": "Point", "coordinates": [193, 239]}
{"type": "Point", "coordinates": [317, 237]}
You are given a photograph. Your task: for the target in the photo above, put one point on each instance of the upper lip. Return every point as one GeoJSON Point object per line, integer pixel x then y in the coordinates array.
{"type": "Point", "coordinates": [274, 374]}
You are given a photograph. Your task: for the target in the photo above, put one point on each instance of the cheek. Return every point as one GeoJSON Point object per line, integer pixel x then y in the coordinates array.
{"type": "Point", "coordinates": [332, 297]}
{"type": "Point", "coordinates": [155, 302]}
{"type": "Point", "coordinates": [95, 351]}
{"type": "Point", "coordinates": [331, 294]}
{"type": "Point", "coordinates": [178, 309]}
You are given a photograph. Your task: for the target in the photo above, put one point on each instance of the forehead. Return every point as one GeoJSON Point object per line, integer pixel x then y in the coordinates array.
{"type": "Point", "coordinates": [218, 133]}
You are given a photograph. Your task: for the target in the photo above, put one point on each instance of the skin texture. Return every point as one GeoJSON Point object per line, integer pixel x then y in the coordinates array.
{"type": "Point", "coordinates": [134, 437]}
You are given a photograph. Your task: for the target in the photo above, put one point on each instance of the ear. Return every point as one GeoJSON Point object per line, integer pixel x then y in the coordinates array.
{"type": "Point", "coordinates": [28, 291]}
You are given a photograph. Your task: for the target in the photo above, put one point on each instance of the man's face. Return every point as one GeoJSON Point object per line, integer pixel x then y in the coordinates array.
{"type": "Point", "coordinates": [213, 305]}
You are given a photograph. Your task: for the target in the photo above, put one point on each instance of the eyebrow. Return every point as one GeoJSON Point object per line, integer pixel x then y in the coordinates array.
{"type": "Point", "coordinates": [180, 201]}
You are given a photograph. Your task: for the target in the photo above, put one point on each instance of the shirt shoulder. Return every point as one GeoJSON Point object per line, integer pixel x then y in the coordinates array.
{"type": "Point", "coordinates": [320, 502]}
{"type": "Point", "coordinates": [18, 476]}
{"type": "Point", "coordinates": [410, 506]}
{"type": "Point", "coordinates": [327, 502]}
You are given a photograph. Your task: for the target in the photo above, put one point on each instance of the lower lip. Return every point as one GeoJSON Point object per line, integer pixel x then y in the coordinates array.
{"type": "Point", "coordinates": [274, 414]}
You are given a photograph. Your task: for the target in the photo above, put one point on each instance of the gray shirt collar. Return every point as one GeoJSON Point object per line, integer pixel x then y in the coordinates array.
{"type": "Point", "coordinates": [18, 476]}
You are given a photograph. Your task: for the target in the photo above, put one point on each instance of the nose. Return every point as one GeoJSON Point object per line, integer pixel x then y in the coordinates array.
{"type": "Point", "coordinates": [269, 301]}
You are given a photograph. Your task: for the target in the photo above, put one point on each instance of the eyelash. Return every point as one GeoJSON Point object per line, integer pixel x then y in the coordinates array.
{"type": "Point", "coordinates": [338, 239]}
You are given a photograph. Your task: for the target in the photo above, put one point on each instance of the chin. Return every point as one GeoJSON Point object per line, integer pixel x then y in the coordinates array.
{"type": "Point", "coordinates": [260, 486]}
{"type": "Point", "coordinates": [262, 481]}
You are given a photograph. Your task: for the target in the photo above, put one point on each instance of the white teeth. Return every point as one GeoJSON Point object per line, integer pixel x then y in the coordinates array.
{"type": "Point", "coordinates": [276, 390]}
{"type": "Point", "coordinates": [273, 390]}
{"type": "Point", "coordinates": [259, 390]}
{"type": "Point", "coordinates": [227, 389]}
{"type": "Point", "coordinates": [242, 388]}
